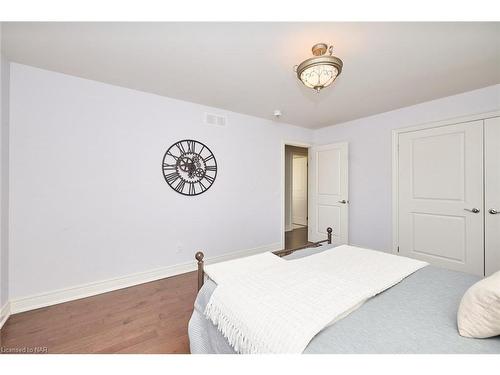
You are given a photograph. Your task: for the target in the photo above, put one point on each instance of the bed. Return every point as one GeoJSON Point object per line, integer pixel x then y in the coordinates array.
{"type": "Point", "coordinates": [418, 315]}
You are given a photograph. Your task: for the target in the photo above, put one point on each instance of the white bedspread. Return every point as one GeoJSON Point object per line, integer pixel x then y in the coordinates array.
{"type": "Point", "coordinates": [219, 272]}
{"type": "Point", "coordinates": [280, 307]}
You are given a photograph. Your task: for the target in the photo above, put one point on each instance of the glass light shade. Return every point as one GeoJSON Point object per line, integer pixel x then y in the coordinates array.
{"type": "Point", "coordinates": [321, 70]}
{"type": "Point", "coordinates": [319, 76]}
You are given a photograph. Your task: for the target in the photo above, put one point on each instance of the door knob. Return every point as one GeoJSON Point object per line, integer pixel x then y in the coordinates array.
{"type": "Point", "coordinates": [493, 211]}
{"type": "Point", "coordinates": [343, 201]}
{"type": "Point", "coordinates": [474, 210]}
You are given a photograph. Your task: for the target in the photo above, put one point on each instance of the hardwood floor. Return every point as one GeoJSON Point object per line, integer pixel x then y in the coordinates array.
{"type": "Point", "coordinates": [147, 318]}
{"type": "Point", "coordinates": [296, 238]}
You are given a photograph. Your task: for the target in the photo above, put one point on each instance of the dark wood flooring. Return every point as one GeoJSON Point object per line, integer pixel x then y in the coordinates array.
{"type": "Point", "coordinates": [147, 318]}
{"type": "Point", "coordinates": [296, 238]}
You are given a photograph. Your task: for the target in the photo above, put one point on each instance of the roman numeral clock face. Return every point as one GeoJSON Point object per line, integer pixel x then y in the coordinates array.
{"type": "Point", "coordinates": [189, 167]}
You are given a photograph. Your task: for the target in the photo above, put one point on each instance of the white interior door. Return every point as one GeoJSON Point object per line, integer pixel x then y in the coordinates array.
{"type": "Point", "coordinates": [299, 190]}
{"type": "Point", "coordinates": [328, 192]}
{"type": "Point", "coordinates": [441, 196]}
{"type": "Point", "coordinates": [492, 195]}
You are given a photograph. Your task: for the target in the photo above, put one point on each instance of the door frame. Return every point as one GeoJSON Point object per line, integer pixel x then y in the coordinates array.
{"type": "Point", "coordinates": [282, 193]}
{"type": "Point", "coordinates": [395, 160]}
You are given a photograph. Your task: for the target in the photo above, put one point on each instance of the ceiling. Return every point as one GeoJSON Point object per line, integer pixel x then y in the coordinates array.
{"type": "Point", "coordinates": [248, 67]}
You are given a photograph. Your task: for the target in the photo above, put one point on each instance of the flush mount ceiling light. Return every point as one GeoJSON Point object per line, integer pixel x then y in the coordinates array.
{"type": "Point", "coordinates": [321, 70]}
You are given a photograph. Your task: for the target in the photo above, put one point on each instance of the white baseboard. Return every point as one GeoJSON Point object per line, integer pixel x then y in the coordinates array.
{"type": "Point", "coordinates": [244, 253]}
{"type": "Point", "coordinates": [4, 314]}
{"type": "Point", "coordinates": [299, 220]}
{"type": "Point", "coordinates": [91, 289]}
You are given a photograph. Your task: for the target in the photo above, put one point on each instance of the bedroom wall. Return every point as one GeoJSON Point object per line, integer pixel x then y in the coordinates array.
{"type": "Point", "coordinates": [2, 287]}
{"type": "Point", "coordinates": [370, 158]}
{"type": "Point", "coordinates": [88, 200]}
{"type": "Point", "coordinates": [4, 180]}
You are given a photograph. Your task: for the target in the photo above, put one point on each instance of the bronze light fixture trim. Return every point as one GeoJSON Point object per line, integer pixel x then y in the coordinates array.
{"type": "Point", "coordinates": [321, 70]}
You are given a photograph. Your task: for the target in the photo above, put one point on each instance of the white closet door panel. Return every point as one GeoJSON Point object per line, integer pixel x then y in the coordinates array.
{"type": "Point", "coordinates": [492, 194]}
{"type": "Point", "coordinates": [440, 178]}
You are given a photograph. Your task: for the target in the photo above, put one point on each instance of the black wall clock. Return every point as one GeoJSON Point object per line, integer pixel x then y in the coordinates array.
{"type": "Point", "coordinates": [189, 167]}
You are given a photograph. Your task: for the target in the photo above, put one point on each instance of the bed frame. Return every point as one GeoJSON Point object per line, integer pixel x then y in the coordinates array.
{"type": "Point", "coordinates": [281, 253]}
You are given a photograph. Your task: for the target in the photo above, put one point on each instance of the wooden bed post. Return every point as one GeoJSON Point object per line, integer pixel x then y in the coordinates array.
{"type": "Point", "coordinates": [329, 231]}
{"type": "Point", "coordinates": [201, 276]}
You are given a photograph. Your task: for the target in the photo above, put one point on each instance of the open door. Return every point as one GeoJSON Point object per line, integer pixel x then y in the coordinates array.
{"type": "Point", "coordinates": [328, 192]}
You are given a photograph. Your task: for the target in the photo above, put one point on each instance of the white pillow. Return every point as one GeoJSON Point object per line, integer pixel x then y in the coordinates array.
{"type": "Point", "coordinates": [479, 312]}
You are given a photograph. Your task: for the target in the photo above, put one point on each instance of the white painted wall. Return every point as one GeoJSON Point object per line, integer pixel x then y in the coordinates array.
{"type": "Point", "coordinates": [299, 190]}
{"type": "Point", "coordinates": [88, 201]}
{"type": "Point", "coordinates": [2, 286]}
{"type": "Point", "coordinates": [4, 178]}
{"type": "Point", "coordinates": [370, 155]}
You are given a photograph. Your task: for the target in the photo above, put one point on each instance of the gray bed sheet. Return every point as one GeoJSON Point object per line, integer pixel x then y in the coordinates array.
{"type": "Point", "coordinates": [418, 315]}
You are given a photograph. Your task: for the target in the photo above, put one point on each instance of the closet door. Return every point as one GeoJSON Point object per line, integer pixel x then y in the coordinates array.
{"type": "Point", "coordinates": [441, 196]}
{"type": "Point", "coordinates": [492, 194]}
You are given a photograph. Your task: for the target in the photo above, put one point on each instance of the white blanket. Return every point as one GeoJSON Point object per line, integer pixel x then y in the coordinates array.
{"type": "Point", "coordinates": [219, 272]}
{"type": "Point", "coordinates": [281, 307]}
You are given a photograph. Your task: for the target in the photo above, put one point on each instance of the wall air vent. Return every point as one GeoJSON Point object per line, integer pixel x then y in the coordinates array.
{"type": "Point", "coordinates": [213, 119]}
